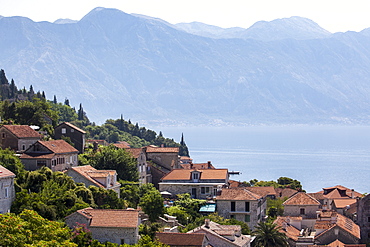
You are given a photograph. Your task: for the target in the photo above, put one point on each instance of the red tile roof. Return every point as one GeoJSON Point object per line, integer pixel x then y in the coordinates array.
{"type": "Point", "coordinates": [339, 191]}
{"type": "Point", "coordinates": [111, 217]}
{"type": "Point", "coordinates": [134, 151]}
{"type": "Point", "coordinates": [197, 166]}
{"type": "Point", "coordinates": [289, 230]}
{"type": "Point", "coordinates": [152, 149]}
{"type": "Point", "coordinates": [263, 191]}
{"type": "Point", "coordinates": [4, 173]}
{"type": "Point", "coordinates": [342, 203]}
{"type": "Point", "coordinates": [58, 146]}
{"type": "Point", "coordinates": [73, 126]}
{"type": "Point", "coordinates": [238, 194]}
{"type": "Point", "coordinates": [181, 239]}
{"type": "Point", "coordinates": [121, 145]}
{"type": "Point", "coordinates": [184, 174]}
{"type": "Point", "coordinates": [90, 173]}
{"type": "Point", "coordinates": [22, 131]}
{"type": "Point", "coordinates": [301, 198]}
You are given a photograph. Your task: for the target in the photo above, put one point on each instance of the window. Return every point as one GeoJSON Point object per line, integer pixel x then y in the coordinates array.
{"type": "Point", "coordinates": [204, 190]}
{"type": "Point", "coordinates": [301, 211]}
{"type": "Point", "coordinates": [195, 176]}
{"type": "Point", "coordinates": [3, 135]}
{"type": "Point", "coordinates": [232, 206]}
{"type": "Point", "coordinates": [122, 241]}
{"type": "Point", "coordinates": [64, 130]}
{"type": "Point", "coordinates": [232, 216]}
{"type": "Point", "coordinates": [72, 130]}
{"type": "Point", "coordinates": [23, 147]}
{"type": "Point", "coordinates": [6, 192]}
{"type": "Point", "coordinates": [246, 206]}
{"type": "Point", "coordinates": [247, 218]}
{"type": "Point", "coordinates": [368, 219]}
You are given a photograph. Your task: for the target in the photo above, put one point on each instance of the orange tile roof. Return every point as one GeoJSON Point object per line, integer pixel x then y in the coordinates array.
{"type": "Point", "coordinates": [22, 131]}
{"type": "Point", "coordinates": [73, 126]}
{"type": "Point", "coordinates": [111, 217]}
{"type": "Point", "coordinates": [339, 220]}
{"type": "Point", "coordinates": [338, 191]}
{"type": "Point", "coordinates": [197, 166]}
{"type": "Point", "coordinates": [184, 174]}
{"type": "Point", "coordinates": [342, 203]}
{"type": "Point", "coordinates": [58, 146]}
{"type": "Point", "coordinates": [238, 194]}
{"type": "Point", "coordinates": [134, 151]}
{"type": "Point", "coordinates": [152, 149]}
{"type": "Point", "coordinates": [122, 145]}
{"type": "Point", "coordinates": [286, 228]}
{"type": "Point", "coordinates": [285, 192]}
{"type": "Point", "coordinates": [263, 191]}
{"type": "Point", "coordinates": [181, 239]}
{"type": "Point", "coordinates": [90, 173]}
{"type": "Point", "coordinates": [37, 156]}
{"type": "Point", "coordinates": [301, 198]}
{"type": "Point", "coordinates": [4, 173]}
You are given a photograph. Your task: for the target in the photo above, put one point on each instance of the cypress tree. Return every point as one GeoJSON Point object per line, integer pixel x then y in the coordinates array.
{"type": "Point", "coordinates": [55, 100]}
{"type": "Point", "coordinates": [43, 95]}
{"type": "Point", "coordinates": [66, 102]}
{"type": "Point", "coordinates": [80, 113]}
{"type": "Point", "coordinates": [3, 79]}
{"type": "Point", "coordinates": [13, 89]}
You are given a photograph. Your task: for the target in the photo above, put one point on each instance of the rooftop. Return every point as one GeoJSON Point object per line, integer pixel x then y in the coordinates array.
{"type": "Point", "coordinates": [4, 173]}
{"type": "Point", "coordinates": [301, 198]}
{"type": "Point", "coordinates": [238, 194]}
{"type": "Point", "coordinates": [205, 174]}
{"type": "Point", "coordinates": [181, 239]}
{"type": "Point", "coordinates": [22, 131]}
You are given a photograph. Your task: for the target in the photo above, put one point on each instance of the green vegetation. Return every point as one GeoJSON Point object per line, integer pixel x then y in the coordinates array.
{"type": "Point", "coordinates": [282, 182]}
{"type": "Point", "coordinates": [268, 235]}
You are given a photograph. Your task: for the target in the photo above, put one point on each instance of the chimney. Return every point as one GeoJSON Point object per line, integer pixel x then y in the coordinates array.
{"type": "Point", "coordinates": [191, 165]}
{"type": "Point", "coordinates": [353, 194]}
{"type": "Point", "coordinates": [206, 222]}
{"type": "Point", "coordinates": [209, 164]}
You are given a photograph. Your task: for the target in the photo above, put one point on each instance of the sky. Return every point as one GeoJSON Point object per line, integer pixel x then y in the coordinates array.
{"type": "Point", "coordinates": [332, 15]}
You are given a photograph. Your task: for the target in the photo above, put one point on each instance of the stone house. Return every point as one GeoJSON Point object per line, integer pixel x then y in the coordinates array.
{"type": "Point", "coordinates": [200, 184]}
{"type": "Point", "coordinates": [7, 191]}
{"type": "Point", "coordinates": [120, 226]}
{"type": "Point", "coordinates": [363, 218]}
{"type": "Point", "coordinates": [18, 137]}
{"type": "Point", "coordinates": [301, 204]}
{"type": "Point", "coordinates": [223, 235]}
{"type": "Point", "coordinates": [88, 175]}
{"type": "Point", "coordinates": [182, 239]}
{"type": "Point", "coordinates": [142, 166]}
{"type": "Point", "coordinates": [76, 135]}
{"type": "Point", "coordinates": [242, 204]}
{"type": "Point", "coordinates": [166, 157]}
{"type": "Point", "coordinates": [326, 228]}
{"type": "Point", "coordinates": [58, 155]}
{"type": "Point", "coordinates": [192, 165]}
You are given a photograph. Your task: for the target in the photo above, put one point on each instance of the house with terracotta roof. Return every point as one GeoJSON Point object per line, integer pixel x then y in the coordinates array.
{"type": "Point", "coordinates": [223, 235]}
{"type": "Point", "coordinates": [363, 218]}
{"type": "Point", "coordinates": [18, 137]}
{"type": "Point", "coordinates": [58, 155]}
{"type": "Point", "coordinates": [325, 229]}
{"type": "Point", "coordinates": [76, 135]}
{"type": "Point", "coordinates": [145, 175]}
{"type": "Point", "coordinates": [88, 175]}
{"type": "Point", "coordinates": [7, 191]}
{"type": "Point", "coordinates": [242, 204]}
{"type": "Point", "coordinates": [301, 204]}
{"type": "Point", "coordinates": [165, 157]}
{"type": "Point", "coordinates": [120, 226]}
{"type": "Point", "coordinates": [173, 239]}
{"type": "Point", "coordinates": [192, 165]}
{"type": "Point", "coordinates": [200, 184]}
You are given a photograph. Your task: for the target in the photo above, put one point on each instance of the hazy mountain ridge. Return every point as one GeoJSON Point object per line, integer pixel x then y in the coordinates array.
{"type": "Point", "coordinates": [114, 63]}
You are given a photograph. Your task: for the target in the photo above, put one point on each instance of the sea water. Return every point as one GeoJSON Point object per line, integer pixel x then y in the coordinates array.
{"type": "Point", "coordinates": [317, 156]}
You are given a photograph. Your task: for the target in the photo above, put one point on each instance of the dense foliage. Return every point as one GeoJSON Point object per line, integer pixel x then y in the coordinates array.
{"type": "Point", "coordinates": [282, 182]}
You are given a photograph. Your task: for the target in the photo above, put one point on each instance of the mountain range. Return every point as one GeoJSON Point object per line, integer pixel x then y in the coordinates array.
{"type": "Point", "coordinates": [285, 71]}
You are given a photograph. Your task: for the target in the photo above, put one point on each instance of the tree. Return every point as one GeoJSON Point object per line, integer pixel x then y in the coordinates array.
{"type": "Point", "coordinates": [152, 204]}
{"type": "Point", "coordinates": [111, 158]}
{"type": "Point", "coordinates": [55, 100]}
{"type": "Point", "coordinates": [30, 229]}
{"type": "Point", "coordinates": [275, 208]}
{"type": "Point", "coordinates": [268, 235]}
{"type": "Point", "coordinates": [183, 150]}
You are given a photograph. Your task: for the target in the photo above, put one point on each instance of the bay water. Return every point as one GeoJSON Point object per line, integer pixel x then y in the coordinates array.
{"type": "Point", "coordinates": [317, 156]}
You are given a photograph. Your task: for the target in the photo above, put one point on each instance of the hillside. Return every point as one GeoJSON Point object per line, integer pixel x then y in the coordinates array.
{"type": "Point", "coordinates": [153, 72]}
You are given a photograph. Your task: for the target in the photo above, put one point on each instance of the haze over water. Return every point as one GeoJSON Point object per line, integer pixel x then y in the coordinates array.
{"type": "Point", "coordinates": [317, 156]}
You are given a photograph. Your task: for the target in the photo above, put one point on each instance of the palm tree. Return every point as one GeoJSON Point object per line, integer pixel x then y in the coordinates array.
{"type": "Point", "coordinates": [268, 235]}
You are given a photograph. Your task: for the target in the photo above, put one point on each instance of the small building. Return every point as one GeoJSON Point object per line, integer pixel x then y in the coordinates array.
{"type": "Point", "coordinates": [242, 204]}
{"type": "Point", "coordinates": [223, 235]}
{"type": "Point", "coordinates": [200, 184]}
{"type": "Point", "coordinates": [327, 228]}
{"type": "Point", "coordinates": [18, 137]}
{"type": "Point", "coordinates": [363, 218]}
{"type": "Point", "coordinates": [166, 157]}
{"type": "Point", "coordinates": [120, 226]}
{"type": "Point", "coordinates": [7, 191]}
{"type": "Point", "coordinates": [88, 175]}
{"type": "Point", "coordinates": [301, 204]}
{"type": "Point", "coordinates": [76, 135]}
{"type": "Point", "coordinates": [58, 155]}
{"type": "Point", "coordinates": [182, 239]}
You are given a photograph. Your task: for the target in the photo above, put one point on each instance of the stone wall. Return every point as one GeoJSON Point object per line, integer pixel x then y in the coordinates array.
{"type": "Point", "coordinates": [295, 210]}
{"type": "Point", "coordinates": [6, 184]}
{"type": "Point", "coordinates": [363, 218]}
